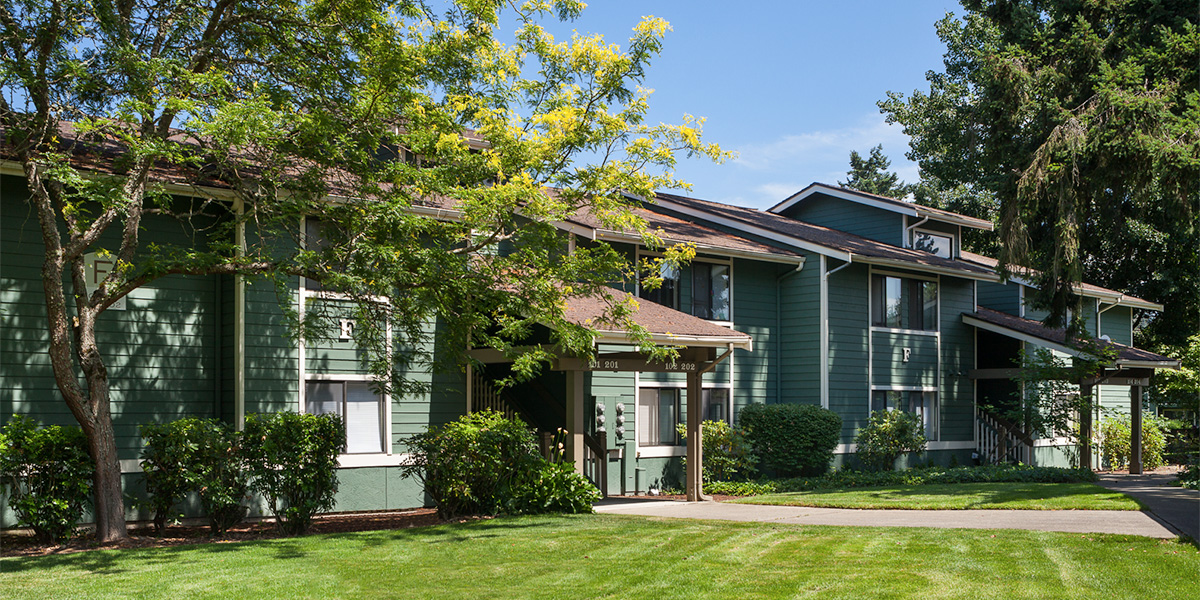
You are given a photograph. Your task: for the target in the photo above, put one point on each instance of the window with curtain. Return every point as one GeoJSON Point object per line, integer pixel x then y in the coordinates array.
{"type": "Point", "coordinates": [359, 406]}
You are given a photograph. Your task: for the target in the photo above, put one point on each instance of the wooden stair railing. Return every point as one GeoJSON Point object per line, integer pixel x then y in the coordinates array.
{"type": "Point", "coordinates": [1000, 441]}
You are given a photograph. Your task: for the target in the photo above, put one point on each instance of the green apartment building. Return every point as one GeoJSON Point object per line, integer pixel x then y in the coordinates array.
{"type": "Point", "coordinates": [836, 298]}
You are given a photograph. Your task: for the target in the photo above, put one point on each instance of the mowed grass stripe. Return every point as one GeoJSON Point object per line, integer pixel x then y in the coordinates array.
{"type": "Point", "coordinates": [614, 556]}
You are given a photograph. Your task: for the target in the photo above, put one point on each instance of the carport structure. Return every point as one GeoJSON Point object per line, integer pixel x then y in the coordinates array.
{"type": "Point", "coordinates": [1127, 366]}
{"type": "Point", "coordinates": [701, 346]}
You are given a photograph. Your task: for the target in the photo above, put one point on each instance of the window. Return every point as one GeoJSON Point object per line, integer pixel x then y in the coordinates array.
{"type": "Point", "coordinates": [933, 243]}
{"type": "Point", "coordinates": [666, 294]}
{"type": "Point", "coordinates": [658, 415]}
{"type": "Point", "coordinates": [660, 412]}
{"type": "Point", "coordinates": [904, 303]}
{"type": "Point", "coordinates": [922, 404]}
{"type": "Point", "coordinates": [715, 404]}
{"type": "Point", "coordinates": [360, 407]}
{"type": "Point", "coordinates": [710, 291]}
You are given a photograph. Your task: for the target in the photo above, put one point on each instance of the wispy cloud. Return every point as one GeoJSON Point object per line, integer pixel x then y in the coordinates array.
{"type": "Point", "coordinates": [816, 147]}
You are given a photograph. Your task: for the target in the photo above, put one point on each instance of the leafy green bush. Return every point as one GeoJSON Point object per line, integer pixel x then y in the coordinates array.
{"type": "Point", "coordinates": [1189, 477]}
{"type": "Point", "coordinates": [484, 463]}
{"type": "Point", "coordinates": [554, 488]}
{"type": "Point", "coordinates": [791, 439]}
{"type": "Point", "coordinates": [739, 488]}
{"type": "Point", "coordinates": [293, 459]}
{"type": "Point", "coordinates": [166, 461]}
{"type": "Point", "coordinates": [1003, 473]}
{"type": "Point", "coordinates": [201, 455]}
{"type": "Point", "coordinates": [887, 435]}
{"type": "Point", "coordinates": [727, 454]}
{"type": "Point", "coordinates": [48, 473]}
{"type": "Point", "coordinates": [1116, 444]}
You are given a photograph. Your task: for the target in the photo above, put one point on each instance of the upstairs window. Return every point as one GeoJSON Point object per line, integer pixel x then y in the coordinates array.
{"type": "Point", "coordinates": [666, 294]}
{"type": "Point", "coordinates": [933, 243]}
{"type": "Point", "coordinates": [901, 303]}
{"type": "Point", "coordinates": [710, 291]}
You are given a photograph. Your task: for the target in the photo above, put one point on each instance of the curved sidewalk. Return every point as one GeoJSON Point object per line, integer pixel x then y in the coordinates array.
{"type": "Point", "coordinates": [1072, 521]}
{"type": "Point", "coordinates": [1175, 507]}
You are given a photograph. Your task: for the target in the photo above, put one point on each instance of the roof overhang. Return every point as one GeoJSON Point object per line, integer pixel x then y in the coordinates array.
{"type": "Point", "coordinates": [738, 342]}
{"type": "Point", "coordinates": [911, 210]}
{"type": "Point", "coordinates": [1060, 347]}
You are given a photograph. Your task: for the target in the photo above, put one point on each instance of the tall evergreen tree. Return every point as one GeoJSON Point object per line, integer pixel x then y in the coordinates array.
{"type": "Point", "coordinates": [871, 175]}
{"type": "Point", "coordinates": [1083, 118]}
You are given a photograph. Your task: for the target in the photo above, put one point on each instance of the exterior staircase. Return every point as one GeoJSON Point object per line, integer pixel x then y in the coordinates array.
{"type": "Point", "coordinates": [1000, 441]}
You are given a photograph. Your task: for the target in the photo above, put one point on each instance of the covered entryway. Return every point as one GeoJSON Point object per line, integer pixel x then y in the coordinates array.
{"type": "Point", "coordinates": [701, 346]}
{"type": "Point", "coordinates": [1130, 368]}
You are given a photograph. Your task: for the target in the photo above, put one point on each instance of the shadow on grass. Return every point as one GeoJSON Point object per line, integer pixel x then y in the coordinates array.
{"type": "Point", "coordinates": [114, 561]}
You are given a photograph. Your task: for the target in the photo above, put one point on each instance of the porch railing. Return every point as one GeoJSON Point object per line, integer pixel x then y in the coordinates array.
{"type": "Point", "coordinates": [595, 460]}
{"type": "Point", "coordinates": [484, 397]}
{"type": "Point", "coordinates": [999, 441]}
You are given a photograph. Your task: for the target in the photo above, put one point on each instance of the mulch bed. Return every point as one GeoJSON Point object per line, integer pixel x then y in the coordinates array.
{"type": "Point", "coordinates": [16, 543]}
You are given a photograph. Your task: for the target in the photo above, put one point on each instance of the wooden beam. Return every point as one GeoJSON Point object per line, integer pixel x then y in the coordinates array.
{"type": "Point", "coordinates": [695, 449]}
{"type": "Point", "coordinates": [1135, 430]}
{"type": "Point", "coordinates": [574, 441]}
{"type": "Point", "coordinates": [627, 364]}
{"type": "Point", "coordinates": [1085, 426]}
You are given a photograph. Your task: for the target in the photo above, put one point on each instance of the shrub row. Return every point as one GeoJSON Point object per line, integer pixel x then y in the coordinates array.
{"type": "Point", "coordinates": [791, 439]}
{"type": "Point", "coordinates": [290, 459]}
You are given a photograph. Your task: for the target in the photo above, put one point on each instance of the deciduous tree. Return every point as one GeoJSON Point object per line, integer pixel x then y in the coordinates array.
{"type": "Point", "coordinates": [415, 140]}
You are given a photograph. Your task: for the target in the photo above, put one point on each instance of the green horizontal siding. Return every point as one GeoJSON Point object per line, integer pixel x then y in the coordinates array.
{"type": "Point", "coordinates": [843, 215]}
{"type": "Point", "coordinates": [889, 369]}
{"type": "Point", "coordinates": [849, 389]}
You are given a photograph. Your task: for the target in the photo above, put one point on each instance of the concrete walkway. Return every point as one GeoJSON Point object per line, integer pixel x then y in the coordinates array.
{"type": "Point", "coordinates": [1072, 521]}
{"type": "Point", "coordinates": [1175, 508]}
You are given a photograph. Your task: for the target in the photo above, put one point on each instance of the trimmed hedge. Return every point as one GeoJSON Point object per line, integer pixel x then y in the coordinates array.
{"type": "Point", "coordinates": [938, 475]}
{"type": "Point", "coordinates": [791, 439]}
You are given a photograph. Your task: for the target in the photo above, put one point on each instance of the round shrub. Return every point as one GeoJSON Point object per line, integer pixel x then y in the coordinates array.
{"type": "Point", "coordinates": [887, 435]}
{"type": "Point", "coordinates": [48, 474]}
{"type": "Point", "coordinates": [293, 459]}
{"type": "Point", "coordinates": [200, 455]}
{"type": "Point", "coordinates": [791, 439]}
{"type": "Point", "coordinates": [1116, 444]}
{"type": "Point", "coordinates": [485, 463]}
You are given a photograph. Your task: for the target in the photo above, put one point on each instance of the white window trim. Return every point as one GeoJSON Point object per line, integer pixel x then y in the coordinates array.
{"type": "Point", "coordinates": [637, 288]}
{"type": "Point", "coordinates": [953, 240]}
{"type": "Point", "coordinates": [924, 332]}
{"type": "Point", "coordinates": [384, 458]}
{"type": "Point", "coordinates": [668, 451]}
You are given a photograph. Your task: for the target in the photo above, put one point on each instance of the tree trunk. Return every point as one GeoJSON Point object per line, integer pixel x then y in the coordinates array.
{"type": "Point", "coordinates": [109, 496]}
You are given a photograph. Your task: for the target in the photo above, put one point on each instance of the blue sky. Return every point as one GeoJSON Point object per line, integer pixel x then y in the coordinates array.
{"type": "Point", "coordinates": [790, 86]}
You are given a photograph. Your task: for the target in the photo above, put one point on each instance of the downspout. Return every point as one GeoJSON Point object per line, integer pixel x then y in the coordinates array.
{"type": "Point", "coordinates": [908, 232]}
{"type": "Point", "coordinates": [779, 330]}
{"type": "Point", "coordinates": [239, 322]}
{"type": "Point", "coordinates": [1102, 311]}
{"type": "Point", "coordinates": [824, 326]}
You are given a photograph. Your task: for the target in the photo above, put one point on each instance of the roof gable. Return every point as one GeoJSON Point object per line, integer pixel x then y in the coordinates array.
{"type": "Point", "coordinates": [817, 190]}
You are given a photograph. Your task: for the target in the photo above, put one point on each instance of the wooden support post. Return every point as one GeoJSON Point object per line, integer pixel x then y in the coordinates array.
{"type": "Point", "coordinates": [574, 418]}
{"type": "Point", "coordinates": [1085, 426]}
{"type": "Point", "coordinates": [1135, 430]}
{"type": "Point", "coordinates": [695, 458]}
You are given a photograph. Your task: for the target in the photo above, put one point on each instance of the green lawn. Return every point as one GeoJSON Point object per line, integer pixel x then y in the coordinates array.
{"type": "Point", "coordinates": [1027, 496]}
{"type": "Point", "coordinates": [594, 556]}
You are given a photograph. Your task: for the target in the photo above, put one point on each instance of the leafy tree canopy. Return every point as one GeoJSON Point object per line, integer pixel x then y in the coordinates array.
{"type": "Point", "coordinates": [414, 140]}
{"type": "Point", "coordinates": [1083, 118]}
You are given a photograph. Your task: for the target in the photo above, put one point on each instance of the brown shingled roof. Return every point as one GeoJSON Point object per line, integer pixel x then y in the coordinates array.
{"type": "Point", "coordinates": [1084, 288]}
{"type": "Point", "coordinates": [659, 320]}
{"type": "Point", "coordinates": [829, 238]}
{"type": "Point", "coordinates": [1035, 329]}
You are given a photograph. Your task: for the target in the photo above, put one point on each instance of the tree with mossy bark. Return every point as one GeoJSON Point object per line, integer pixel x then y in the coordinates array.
{"type": "Point", "coordinates": [414, 137]}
